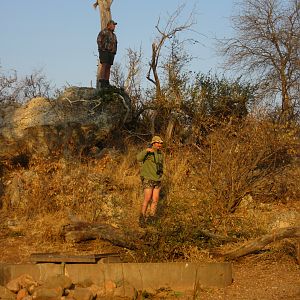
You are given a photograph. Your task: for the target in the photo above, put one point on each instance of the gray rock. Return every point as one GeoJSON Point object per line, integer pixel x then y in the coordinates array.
{"type": "Point", "coordinates": [62, 281]}
{"type": "Point", "coordinates": [21, 282]}
{"type": "Point", "coordinates": [125, 290]}
{"type": "Point", "coordinates": [85, 283]}
{"type": "Point", "coordinates": [22, 294]}
{"type": "Point", "coordinates": [80, 117]}
{"type": "Point", "coordinates": [82, 294]}
{"type": "Point", "coordinates": [27, 298]}
{"type": "Point", "coordinates": [44, 293]}
{"type": "Point", "coordinates": [97, 291]}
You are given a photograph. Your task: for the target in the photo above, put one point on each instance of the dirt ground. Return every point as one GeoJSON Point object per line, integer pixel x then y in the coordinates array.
{"type": "Point", "coordinates": [261, 276]}
{"type": "Point", "coordinates": [256, 278]}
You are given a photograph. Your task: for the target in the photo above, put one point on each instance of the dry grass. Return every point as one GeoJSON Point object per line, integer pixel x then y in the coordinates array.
{"type": "Point", "coordinates": [203, 188]}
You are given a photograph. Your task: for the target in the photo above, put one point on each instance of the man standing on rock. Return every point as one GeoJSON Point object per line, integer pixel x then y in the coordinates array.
{"type": "Point", "coordinates": [107, 47]}
{"type": "Point", "coordinates": [152, 161]}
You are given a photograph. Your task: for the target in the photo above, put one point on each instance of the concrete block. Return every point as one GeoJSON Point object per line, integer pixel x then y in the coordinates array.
{"type": "Point", "coordinates": [182, 276]}
{"type": "Point", "coordinates": [39, 272]}
{"type": "Point", "coordinates": [142, 276]}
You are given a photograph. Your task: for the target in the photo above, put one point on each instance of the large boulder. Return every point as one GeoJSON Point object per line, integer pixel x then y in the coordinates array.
{"type": "Point", "coordinates": [79, 118]}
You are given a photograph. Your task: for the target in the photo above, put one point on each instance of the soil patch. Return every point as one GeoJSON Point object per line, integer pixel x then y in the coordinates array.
{"type": "Point", "coordinates": [257, 278]}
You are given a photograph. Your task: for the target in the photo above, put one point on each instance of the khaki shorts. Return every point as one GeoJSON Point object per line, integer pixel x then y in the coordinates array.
{"type": "Point", "coordinates": [106, 57]}
{"type": "Point", "coordinates": [150, 184]}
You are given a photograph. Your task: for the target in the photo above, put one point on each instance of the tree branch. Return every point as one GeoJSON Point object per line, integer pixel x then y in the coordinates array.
{"type": "Point", "coordinates": [261, 242]}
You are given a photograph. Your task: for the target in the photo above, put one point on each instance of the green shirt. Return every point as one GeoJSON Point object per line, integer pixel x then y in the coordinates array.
{"type": "Point", "coordinates": [151, 162]}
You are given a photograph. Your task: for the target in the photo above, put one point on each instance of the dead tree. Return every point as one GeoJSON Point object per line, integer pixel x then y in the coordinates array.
{"type": "Point", "coordinates": [165, 34]}
{"type": "Point", "coordinates": [104, 10]}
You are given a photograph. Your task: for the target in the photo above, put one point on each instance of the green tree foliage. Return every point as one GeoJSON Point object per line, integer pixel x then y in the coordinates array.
{"type": "Point", "coordinates": [220, 98]}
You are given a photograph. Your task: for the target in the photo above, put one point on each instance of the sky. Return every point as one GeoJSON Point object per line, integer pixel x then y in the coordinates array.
{"type": "Point", "coordinates": [58, 37]}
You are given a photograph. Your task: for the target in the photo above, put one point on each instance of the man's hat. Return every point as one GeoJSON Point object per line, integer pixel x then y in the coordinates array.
{"type": "Point", "coordinates": [156, 139]}
{"type": "Point", "coordinates": [112, 22]}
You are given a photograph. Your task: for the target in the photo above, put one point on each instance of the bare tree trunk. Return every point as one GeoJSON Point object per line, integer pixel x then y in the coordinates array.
{"type": "Point", "coordinates": [105, 12]}
{"type": "Point", "coordinates": [286, 103]}
{"type": "Point", "coordinates": [154, 115]}
{"type": "Point", "coordinates": [170, 128]}
{"type": "Point", "coordinates": [165, 34]}
{"type": "Point", "coordinates": [105, 16]}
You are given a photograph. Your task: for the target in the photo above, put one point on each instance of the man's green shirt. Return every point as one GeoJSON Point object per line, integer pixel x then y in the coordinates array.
{"type": "Point", "coordinates": [149, 162]}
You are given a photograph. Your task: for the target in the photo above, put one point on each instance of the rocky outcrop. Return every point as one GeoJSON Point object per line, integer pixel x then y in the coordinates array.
{"type": "Point", "coordinates": [61, 287]}
{"type": "Point", "coordinates": [79, 118]}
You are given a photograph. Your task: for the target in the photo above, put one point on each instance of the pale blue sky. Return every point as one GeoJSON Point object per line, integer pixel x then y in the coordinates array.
{"type": "Point", "coordinates": [59, 36]}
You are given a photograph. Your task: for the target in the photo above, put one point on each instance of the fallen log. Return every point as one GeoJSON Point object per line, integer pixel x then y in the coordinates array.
{"type": "Point", "coordinates": [261, 242]}
{"type": "Point", "coordinates": [78, 231]}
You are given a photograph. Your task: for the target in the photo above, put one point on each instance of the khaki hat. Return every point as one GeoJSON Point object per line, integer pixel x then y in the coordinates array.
{"type": "Point", "coordinates": [156, 139]}
{"type": "Point", "coordinates": [112, 22]}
